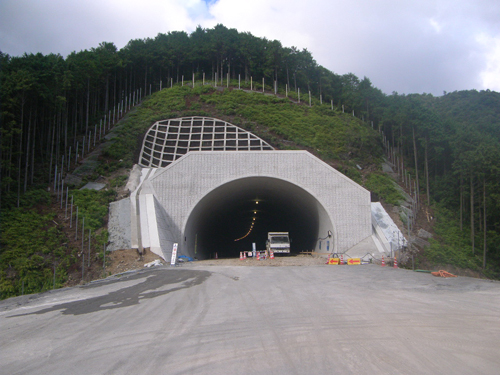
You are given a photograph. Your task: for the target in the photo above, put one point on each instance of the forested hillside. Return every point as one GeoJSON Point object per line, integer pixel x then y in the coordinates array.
{"type": "Point", "coordinates": [54, 110]}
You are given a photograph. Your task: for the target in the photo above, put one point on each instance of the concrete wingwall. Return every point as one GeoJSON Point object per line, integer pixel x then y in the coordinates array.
{"type": "Point", "coordinates": [172, 193]}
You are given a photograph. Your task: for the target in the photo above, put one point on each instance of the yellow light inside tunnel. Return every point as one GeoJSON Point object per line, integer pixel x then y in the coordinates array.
{"type": "Point", "coordinates": [249, 231]}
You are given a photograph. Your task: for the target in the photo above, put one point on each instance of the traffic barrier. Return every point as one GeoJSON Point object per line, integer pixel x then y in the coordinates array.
{"type": "Point", "coordinates": [354, 261]}
{"type": "Point", "coordinates": [395, 263]}
{"type": "Point", "coordinates": [443, 273]}
{"type": "Point", "coordinates": [272, 254]}
{"type": "Point", "coordinates": [241, 255]}
{"type": "Point", "coordinates": [333, 261]}
{"type": "Point", "coordinates": [383, 261]}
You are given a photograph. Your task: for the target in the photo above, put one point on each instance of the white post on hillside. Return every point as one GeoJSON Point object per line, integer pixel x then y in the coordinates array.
{"type": "Point", "coordinates": [332, 104]}
{"type": "Point", "coordinates": [275, 88]}
{"type": "Point", "coordinates": [160, 84]}
{"type": "Point", "coordinates": [150, 87]}
{"type": "Point", "coordinates": [298, 94]}
{"type": "Point", "coordinates": [183, 80]}
{"type": "Point", "coordinates": [320, 99]}
{"type": "Point", "coordinates": [203, 78]}
{"type": "Point", "coordinates": [262, 84]}
{"type": "Point", "coordinates": [353, 113]}
{"type": "Point", "coordinates": [251, 83]}
{"type": "Point", "coordinates": [171, 82]}
{"type": "Point", "coordinates": [215, 79]}
{"type": "Point", "coordinates": [193, 80]}
{"type": "Point", "coordinates": [342, 108]}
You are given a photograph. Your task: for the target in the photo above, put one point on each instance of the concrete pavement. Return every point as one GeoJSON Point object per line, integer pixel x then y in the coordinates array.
{"type": "Point", "coordinates": [257, 320]}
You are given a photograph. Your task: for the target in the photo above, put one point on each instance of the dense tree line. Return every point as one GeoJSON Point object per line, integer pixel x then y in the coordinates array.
{"type": "Point", "coordinates": [53, 106]}
{"type": "Point", "coordinates": [451, 145]}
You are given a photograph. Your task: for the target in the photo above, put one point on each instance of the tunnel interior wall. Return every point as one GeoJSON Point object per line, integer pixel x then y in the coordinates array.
{"type": "Point", "coordinates": [237, 214]}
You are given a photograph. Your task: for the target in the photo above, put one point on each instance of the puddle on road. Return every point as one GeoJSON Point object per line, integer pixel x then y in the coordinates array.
{"type": "Point", "coordinates": [132, 295]}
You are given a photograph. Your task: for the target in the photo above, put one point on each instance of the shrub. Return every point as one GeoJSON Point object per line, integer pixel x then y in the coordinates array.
{"type": "Point", "coordinates": [383, 185]}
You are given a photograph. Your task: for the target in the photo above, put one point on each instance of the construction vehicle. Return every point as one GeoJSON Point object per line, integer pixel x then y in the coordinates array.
{"type": "Point", "coordinates": [278, 242]}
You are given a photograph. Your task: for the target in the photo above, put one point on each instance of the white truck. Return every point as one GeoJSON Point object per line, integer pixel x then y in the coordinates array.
{"type": "Point", "coordinates": [278, 242]}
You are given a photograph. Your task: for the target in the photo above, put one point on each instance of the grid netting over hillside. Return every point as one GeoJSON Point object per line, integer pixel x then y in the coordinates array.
{"type": "Point", "coordinates": [168, 140]}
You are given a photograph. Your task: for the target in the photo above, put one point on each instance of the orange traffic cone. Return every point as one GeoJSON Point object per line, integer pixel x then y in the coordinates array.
{"type": "Point", "coordinates": [383, 261]}
{"type": "Point", "coordinates": [216, 257]}
{"type": "Point", "coordinates": [395, 263]}
{"type": "Point", "coordinates": [241, 255]}
{"type": "Point", "coordinates": [272, 254]}
{"type": "Point", "coordinates": [244, 255]}
{"type": "Point", "coordinates": [329, 256]}
{"type": "Point", "coordinates": [258, 255]}
{"type": "Point", "coordinates": [341, 258]}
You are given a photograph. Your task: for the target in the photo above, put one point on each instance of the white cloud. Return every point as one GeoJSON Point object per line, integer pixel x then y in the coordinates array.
{"type": "Point", "coordinates": [490, 76]}
{"type": "Point", "coordinates": [435, 25]}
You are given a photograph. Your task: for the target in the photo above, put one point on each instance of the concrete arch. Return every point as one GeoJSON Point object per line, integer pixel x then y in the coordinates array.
{"type": "Point", "coordinates": [219, 221]}
{"type": "Point", "coordinates": [187, 186]}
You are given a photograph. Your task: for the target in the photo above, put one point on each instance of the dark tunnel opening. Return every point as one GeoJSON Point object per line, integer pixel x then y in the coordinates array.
{"type": "Point", "coordinates": [233, 216]}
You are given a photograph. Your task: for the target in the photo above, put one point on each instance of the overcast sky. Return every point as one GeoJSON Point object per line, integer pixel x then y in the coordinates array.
{"type": "Point", "coordinates": [406, 46]}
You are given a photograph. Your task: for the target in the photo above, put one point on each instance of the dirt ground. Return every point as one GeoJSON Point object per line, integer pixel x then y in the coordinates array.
{"type": "Point", "coordinates": [120, 261]}
{"type": "Point", "coordinates": [287, 260]}
{"type": "Point", "coordinates": [116, 262]}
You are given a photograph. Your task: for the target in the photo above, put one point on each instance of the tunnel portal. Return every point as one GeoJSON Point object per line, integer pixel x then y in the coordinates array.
{"type": "Point", "coordinates": [207, 186]}
{"type": "Point", "coordinates": [205, 200]}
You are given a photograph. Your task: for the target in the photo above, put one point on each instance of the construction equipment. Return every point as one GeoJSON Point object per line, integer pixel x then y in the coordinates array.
{"type": "Point", "coordinates": [278, 242]}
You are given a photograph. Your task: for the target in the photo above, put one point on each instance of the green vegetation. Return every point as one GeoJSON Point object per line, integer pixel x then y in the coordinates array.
{"type": "Point", "coordinates": [33, 243]}
{"type": "Point", "coordinates": [452, 246]}
{"type": "Point", "coordinates": [329, 133]}
{"type": "Point", "coordinates": [31, 246]}
{"type": "Point", "coordinates": [384, 187]}
{"type": "Point", "coordinates": [93, 206]}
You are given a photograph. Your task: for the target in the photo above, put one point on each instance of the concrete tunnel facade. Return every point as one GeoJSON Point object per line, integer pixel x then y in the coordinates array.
{"type": "Point", "coordinates": [205, 201]}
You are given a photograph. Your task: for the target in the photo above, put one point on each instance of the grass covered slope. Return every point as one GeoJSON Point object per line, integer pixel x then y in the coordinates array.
{"type": "Point", "coordinates": [339, 139]}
